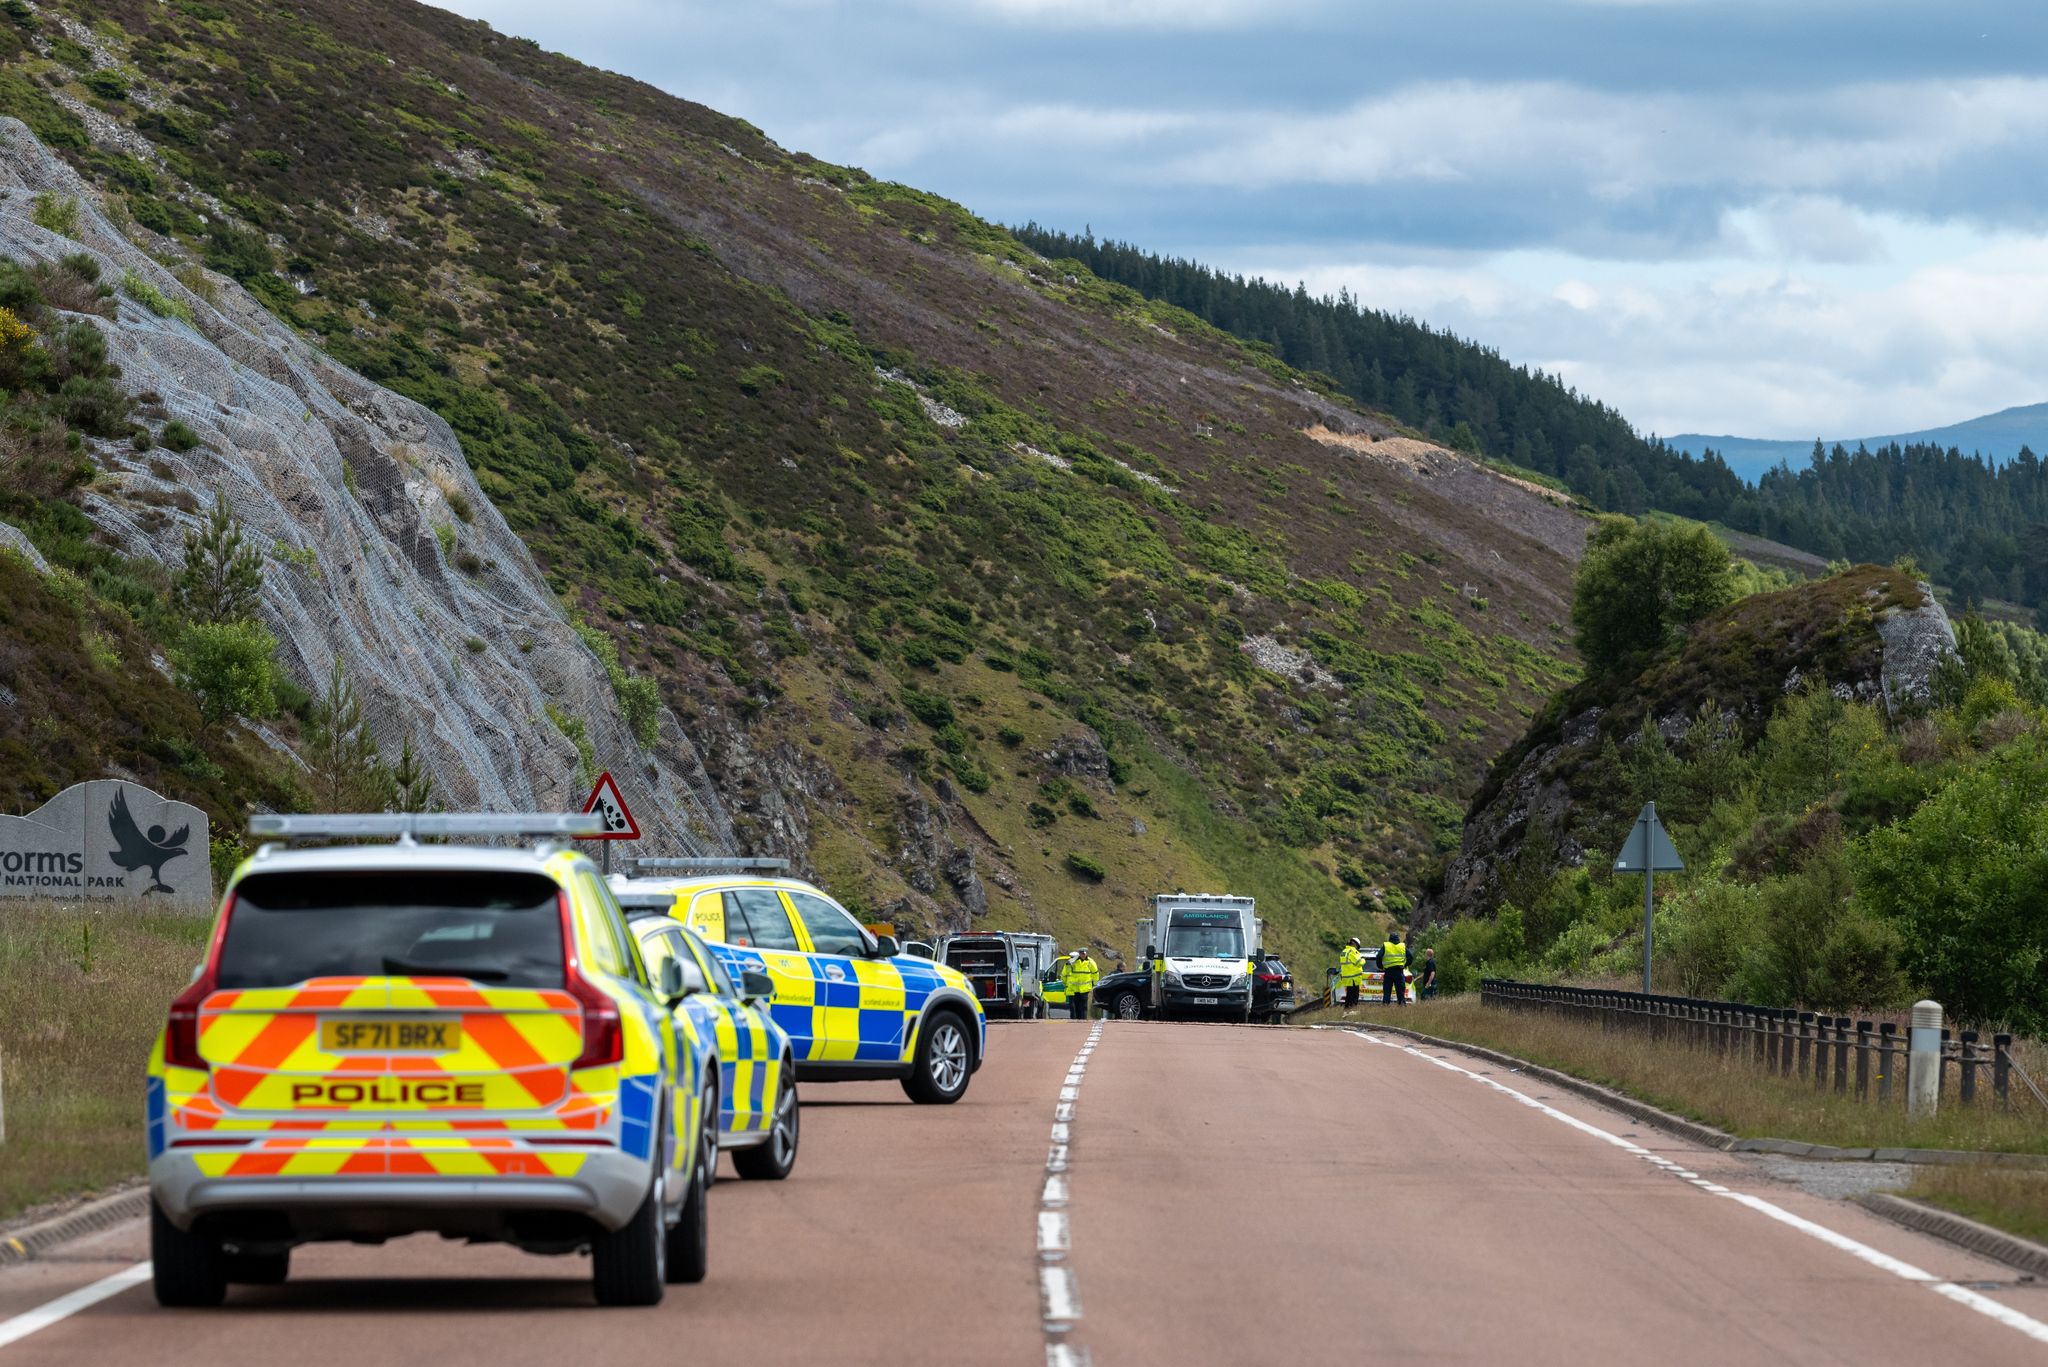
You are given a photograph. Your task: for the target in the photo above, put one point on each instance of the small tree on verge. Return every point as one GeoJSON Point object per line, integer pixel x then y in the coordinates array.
{"type": "Point", "coordinates": [1640, 584]}
{"type": "Point", "coordinates": [222, 579]}
{"type": "Point", "coordinates": [345, 773]}
{"type": "Point", "coordinates": [226, 667]}
{"type": "Point", "coordinates": [412, 787]}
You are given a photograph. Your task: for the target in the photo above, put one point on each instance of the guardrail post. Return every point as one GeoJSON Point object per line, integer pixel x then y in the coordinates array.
{"type": "Point", "coordinates": [1968, 1092]}
{"type": "Point", "coordinates": [2001, 1070]}
{"type": "Point", "coordinates": [1887, 1038]}
{"type": "Point", "coordinates": [1863, 1060]}
{"type": "Point", "coordinates": [1841, 1054]}
{"type": "Point", "coordinates": [1805, 1042]}
{"type": "Point", "coordinates": [1821, 1025]}
{"type": "Point", "coordinates": [1941, 1069]}
{"type": "Point", "coordinates": [1923, 1061]}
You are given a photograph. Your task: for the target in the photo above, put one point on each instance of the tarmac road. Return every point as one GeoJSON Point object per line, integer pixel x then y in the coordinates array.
{"type": "Point", "coordinates": [1231, 1196]}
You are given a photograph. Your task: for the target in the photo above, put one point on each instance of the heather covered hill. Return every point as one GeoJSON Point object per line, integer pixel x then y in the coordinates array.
{"type": "Point", "coordinates": [984, 587]}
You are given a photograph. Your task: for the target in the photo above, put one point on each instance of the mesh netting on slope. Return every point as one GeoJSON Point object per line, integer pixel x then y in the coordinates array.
{"type": "Point", "coordinates": [463, 664]}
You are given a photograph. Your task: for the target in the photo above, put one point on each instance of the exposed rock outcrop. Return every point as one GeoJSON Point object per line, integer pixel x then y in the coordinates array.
{"type": "Point", "coordinates": [1868, 635]}
{"type": "Point", "coordinates": [381, 550]}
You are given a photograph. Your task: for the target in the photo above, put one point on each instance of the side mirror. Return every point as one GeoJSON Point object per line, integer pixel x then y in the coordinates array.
{"type": "Point", "coordinates": [885, 948]}
{"type": "Point", "coordinates": [756, 986]}
{"type": "Point", "coordinates": [1151, 952]}
{"type": "Point", "coordinates": [672, 988]}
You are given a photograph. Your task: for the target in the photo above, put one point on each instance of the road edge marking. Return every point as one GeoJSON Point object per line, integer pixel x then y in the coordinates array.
{"type": "Point", "coordinates": [1058, 1293]}
{"type": "Point", "coordinates": [1993, 1310]}
{"type": "Point", "coordinates": [18, 1327]}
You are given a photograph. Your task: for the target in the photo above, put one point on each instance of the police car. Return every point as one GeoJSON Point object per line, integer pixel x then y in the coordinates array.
{"type": "Point", "coordinates": [854, 1008]}
{"type": "Point", "coordinates": [389, 1039]}
{"type": "Point", "coordinates": [756, 1065]}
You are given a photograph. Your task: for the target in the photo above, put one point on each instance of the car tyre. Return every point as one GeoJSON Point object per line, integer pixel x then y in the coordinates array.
{"type": "Point", "coordinates": [943, 1063]}
{"type": "Point", "coordinates": [259, 1269]}
{"type": "Point", "coordinates": [628, 1265]}
{"type": "Point", "coordinates": [772, 1159]}
{"type": "Point", "coordinates": [1127, 1007]}
{"type": "Point", "coordinates": [187, 1267]}
{"type": "Point", "coordinates": [689, 1243]}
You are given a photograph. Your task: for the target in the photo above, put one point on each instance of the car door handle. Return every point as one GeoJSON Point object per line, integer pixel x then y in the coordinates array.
{"type": "Point", "coordinates": [753, 965]}
{"type": "Point", "coordinates": [835, 973]}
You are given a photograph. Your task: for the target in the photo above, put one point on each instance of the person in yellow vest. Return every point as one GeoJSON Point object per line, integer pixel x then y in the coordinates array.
{"type": "Point", "coordinates": [1082, 975]}
{"type": "Point", "coordinates": [1351, 972]}
{"type": "Point", "coordinates": [1393, 970]}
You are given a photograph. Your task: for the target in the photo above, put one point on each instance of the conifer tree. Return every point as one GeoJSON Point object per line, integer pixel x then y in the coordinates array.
{"type": "Point", "coordinates": [222, 579]}
{"type": "Point", "coordinates": [345, 772]}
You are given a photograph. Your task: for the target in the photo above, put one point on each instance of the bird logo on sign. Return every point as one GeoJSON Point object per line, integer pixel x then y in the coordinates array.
{"type": "Point", "coordinates": [139, 849]}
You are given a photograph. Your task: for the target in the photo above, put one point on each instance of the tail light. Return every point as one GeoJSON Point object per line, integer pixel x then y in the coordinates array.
{"type": "Point", "coordinates": [181, 1029]}
{"type": "Point", "coordinates": [604, 1040]}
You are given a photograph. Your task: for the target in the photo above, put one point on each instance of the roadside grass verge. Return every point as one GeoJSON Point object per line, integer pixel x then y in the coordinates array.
{"type": "Point", "coordinates": [83, 991]}
{"type": "Point", "coordinates": [1699, 1084]}
{"type": "Point", "coordinates": [2004, 1198]}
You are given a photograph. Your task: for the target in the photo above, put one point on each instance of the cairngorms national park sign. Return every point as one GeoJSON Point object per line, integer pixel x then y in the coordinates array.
{"type": "Point", "coordinates": [107, 838]}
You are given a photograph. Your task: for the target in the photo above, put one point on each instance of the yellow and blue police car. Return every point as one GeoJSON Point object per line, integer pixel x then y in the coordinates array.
{"type": "Point", "coordinates": [853, 1006]}
{"type": "Point", "coordinates": [389, 1039]}
{"type": "Point", "coordinates": [758, 1122]}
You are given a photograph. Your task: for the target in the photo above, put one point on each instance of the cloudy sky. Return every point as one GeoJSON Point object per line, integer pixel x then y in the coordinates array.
{"type": "Point", "coordinates": [1776, 218]}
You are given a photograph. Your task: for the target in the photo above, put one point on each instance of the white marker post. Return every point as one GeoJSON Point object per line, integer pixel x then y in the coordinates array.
{"type": "Point", "coordinates": [1923, 1061]}
{"type": "Point", "coordinates": [1648, 851]}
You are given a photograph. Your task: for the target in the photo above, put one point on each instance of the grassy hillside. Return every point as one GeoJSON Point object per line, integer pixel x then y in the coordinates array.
{"type": "Point", "coordinates": [970, 576]}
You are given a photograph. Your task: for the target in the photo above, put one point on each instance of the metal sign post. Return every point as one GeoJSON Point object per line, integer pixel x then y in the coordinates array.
{"type": "Point", "coordinates": [1648, 851]}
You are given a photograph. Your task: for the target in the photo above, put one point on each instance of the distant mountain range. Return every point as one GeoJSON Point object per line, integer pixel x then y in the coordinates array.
{"type": "Point", "coordinates": [1998, 436]}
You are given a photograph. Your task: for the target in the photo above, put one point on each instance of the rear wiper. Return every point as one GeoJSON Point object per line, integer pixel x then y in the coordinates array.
{"type": "Point", "coordinates": [481, 975]}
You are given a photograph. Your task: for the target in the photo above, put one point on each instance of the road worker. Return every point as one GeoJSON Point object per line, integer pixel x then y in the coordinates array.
{"type": "Point", "coordinates": [1082, 975]}
{"type": "Point", "coordinates": [1351, 972]}
{"type": "Point", "coordinates": [1393, 970]}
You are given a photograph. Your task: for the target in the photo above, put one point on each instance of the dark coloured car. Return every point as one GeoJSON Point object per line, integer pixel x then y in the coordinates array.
{"type": "Point", "coordinates": [1272, 990]}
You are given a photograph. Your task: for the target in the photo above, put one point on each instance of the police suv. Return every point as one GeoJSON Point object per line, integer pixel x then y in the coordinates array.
{"type": "Point", "coordinates": [389, 1039]}
{"type": "Point", "coordinates": [854, 1008]}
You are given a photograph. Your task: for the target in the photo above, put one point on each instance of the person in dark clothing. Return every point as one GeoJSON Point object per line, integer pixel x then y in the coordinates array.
{"type": "Point", "coordinates": [1427, 980]}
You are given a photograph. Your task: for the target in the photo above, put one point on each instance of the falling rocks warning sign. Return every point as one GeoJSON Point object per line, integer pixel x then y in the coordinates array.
{"type": "Point", "coordinates": [618, 818]}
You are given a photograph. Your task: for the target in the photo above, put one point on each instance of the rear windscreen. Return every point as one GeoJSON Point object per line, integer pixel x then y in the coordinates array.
{"type": "Point", "coordinates": [497, 929]}
{"type": "Point", "coordinates": [985, 957]}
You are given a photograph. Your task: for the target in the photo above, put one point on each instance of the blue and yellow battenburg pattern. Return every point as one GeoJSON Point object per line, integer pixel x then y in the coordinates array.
{"type": "Point", "coordinates": [750, 1050]}
{"type": "Point", "coordinates": [835, 1009]}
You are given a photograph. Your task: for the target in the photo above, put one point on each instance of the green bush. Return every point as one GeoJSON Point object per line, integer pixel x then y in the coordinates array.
{"type": "Point", "coordinates": [1010, 735]}
{"type": "Point", "coordinates": [1082, 866]}
{"type": "Point", "coordinates": [758, 379]}
{"type": "Point", "coordinates": [54, 213]}
{"type": "Point", "coordinates": [178, 437]}
{"type": "Point", "coordinates": [1641, 583]}
{"type": "Point", "coordinates": [933, 709]}
{"type": "Point", "coordinates": [1965, 878]}
{"type": "Point", "coordinates": [153, 299]}
{"type": "Point", "coordinates": [227, 668]}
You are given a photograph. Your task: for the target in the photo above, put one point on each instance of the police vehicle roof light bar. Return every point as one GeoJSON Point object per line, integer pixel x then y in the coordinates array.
{"type": "Point", "coordinates": [709, 864]}
{"type": "Point", "coordinates": [407, 827]}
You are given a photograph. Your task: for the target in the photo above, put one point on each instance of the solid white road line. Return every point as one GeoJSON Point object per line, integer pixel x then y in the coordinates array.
{"type": "Point", "coordinates": [1961, 1295]}
{"type": "Point", "coordinates": [27, 1322]}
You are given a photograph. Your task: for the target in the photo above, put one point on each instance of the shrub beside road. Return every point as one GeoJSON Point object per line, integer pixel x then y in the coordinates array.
{"type": "Point", "coordinates": [82, 995]}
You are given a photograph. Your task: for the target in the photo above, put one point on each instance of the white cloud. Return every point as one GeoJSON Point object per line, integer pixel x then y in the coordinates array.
{"type": "Point", "coordinates": [1954, 331]}
{"type": "Point", "coordinates": [1177, 14]}
{"type": "Point", "coordinates": [1621, 144]}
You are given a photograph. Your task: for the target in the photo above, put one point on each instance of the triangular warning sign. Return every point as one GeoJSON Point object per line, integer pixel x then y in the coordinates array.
{"type": "Point", "coordinates": [606, 802]}
{"type": "Point", "coordinates": [1648, 849]}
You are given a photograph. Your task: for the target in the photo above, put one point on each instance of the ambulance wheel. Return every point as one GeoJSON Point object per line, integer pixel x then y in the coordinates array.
{"type": "Point", "coordinates": [689, 1243]}
{"type": "Point", "coordinates": [186, 1266]}
{"type": "Point", "coordinates": [627, 1264]}
{"type": "Point", "coordinates": [938, 1076]}
{"type": "Point", "coordinates": [772, 1159]}
{"type": "Point", "coordinates": [259, 1269]}
{"type": "Point", "coordinates": [1127, 1007]}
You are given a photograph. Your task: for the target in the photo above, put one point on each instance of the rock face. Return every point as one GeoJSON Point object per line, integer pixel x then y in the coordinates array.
{"type": "Point", "coordinates": [1867, 635]}
{"type": "Point", "coordinates": [381, 551]}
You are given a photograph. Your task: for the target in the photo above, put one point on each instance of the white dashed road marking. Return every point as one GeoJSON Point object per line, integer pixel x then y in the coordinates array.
{"type": "Point", "coordinates": [1961, 1295]}
{"type": "Point", "coordinates": [1060, 1298]}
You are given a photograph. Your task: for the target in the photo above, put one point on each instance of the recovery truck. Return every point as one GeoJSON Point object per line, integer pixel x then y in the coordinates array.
{"type": "Point", "coordinates": [1005, 968]}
